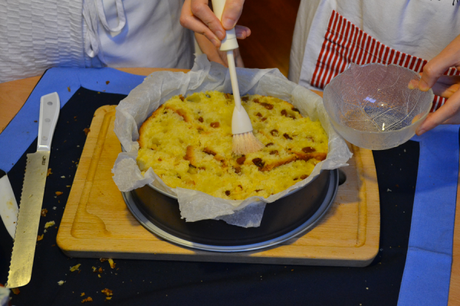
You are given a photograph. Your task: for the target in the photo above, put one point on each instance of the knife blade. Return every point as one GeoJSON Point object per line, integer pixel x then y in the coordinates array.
{"type": "Point", "coordinates": [8, 204]}
{"type": "Point", "coordinates": [33, 190]}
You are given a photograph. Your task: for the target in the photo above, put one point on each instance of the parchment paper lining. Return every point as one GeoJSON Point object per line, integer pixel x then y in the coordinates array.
{"type": "Point", "coordinates": [160, 86]}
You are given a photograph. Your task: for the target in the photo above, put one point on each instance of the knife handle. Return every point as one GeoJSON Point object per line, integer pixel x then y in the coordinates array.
{"type": "Point", "coordinates": [49, 113]}
{"type": "Point", "coordinates": [230, 42]}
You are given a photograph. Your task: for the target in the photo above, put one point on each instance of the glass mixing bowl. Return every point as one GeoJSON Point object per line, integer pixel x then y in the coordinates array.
{"type": "Point", "coordinates": [372, 107]}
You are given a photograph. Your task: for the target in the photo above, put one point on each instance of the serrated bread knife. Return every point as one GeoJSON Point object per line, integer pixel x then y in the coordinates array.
{"type": "Point", "coordinates": [33, 190]}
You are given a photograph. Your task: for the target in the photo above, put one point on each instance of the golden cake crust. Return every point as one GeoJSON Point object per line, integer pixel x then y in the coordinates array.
{"type": "Point", "coordinates": [188, 143]}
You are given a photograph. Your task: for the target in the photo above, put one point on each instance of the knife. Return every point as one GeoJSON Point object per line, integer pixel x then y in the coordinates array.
{"type": "Point", "coordinates": [33, 190]}
{"type": "Point", "coordinates": [8, 204]}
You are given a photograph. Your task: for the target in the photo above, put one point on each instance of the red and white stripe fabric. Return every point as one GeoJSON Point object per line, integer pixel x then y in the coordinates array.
{"type": "Point", "coordinates": [345, 43]}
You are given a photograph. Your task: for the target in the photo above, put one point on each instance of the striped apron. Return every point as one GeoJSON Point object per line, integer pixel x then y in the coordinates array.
{"type": "Point", "coordinates": [342, 42]}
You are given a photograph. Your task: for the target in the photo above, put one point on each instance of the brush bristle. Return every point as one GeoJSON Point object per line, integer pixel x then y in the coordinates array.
{"type": "Point", "coordinates": [246, 143]}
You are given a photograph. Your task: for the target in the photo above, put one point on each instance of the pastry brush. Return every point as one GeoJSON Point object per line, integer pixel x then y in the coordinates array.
{"type": "Point", "coordinates": [244, 140]}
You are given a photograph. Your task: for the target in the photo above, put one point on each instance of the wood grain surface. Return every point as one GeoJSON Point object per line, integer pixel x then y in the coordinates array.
{"type": "Point", "coordinates": [97, 222]}
{"type": "Point", "coordinates": [13, 95]}
{"type": "Point", "coordinates": [272, 27]}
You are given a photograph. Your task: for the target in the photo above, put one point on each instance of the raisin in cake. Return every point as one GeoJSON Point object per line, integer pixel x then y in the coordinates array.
{"type": "Point", "coordinates": [188, 144]}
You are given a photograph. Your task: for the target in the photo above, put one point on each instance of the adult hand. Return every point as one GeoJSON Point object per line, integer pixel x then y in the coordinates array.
{"type": "Point", "coordinates": [215, 55]}
{"type": "Point", "coordinates": [442, 85]}
{"type": "Point", "coordinates": [197, 16]}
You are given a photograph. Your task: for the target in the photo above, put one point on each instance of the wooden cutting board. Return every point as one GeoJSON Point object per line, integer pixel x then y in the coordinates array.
{"type": "Point", "coordinates": [97, 223]}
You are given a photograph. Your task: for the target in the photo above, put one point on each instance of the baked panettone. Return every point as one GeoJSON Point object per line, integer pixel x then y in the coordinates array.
{"type": "Point", "coordinates": [188, 144]}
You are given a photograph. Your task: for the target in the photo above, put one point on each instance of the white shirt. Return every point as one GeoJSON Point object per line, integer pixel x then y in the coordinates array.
{"type": "Point", "coordinates": [36, 35]}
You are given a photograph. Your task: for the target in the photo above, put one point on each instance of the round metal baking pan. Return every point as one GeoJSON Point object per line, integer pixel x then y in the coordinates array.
{"type": "Point", "coordinates": [283, 219]}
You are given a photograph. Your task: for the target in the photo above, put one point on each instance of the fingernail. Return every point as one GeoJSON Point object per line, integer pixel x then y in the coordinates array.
{"type": "Point", "coordinates": [229, 23]}
{"type": "Point", "coordinates": [215, 42]}
{"type": "Point", "coordinates": [220, 34]}
{"type": "Point", "coordinates": [411, 85]}
{"type": "Point", "coordinates": [420, 132]}
{"type": "Point", "coordinates": [423, 86]}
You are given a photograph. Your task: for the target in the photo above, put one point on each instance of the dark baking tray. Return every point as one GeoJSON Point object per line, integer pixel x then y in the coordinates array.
{"type": "Point", "coordinates": [283, 219]}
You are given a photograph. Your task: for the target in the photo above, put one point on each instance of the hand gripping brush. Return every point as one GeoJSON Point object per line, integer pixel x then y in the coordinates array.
{"type": "Point", "coordinates": [244, 140]}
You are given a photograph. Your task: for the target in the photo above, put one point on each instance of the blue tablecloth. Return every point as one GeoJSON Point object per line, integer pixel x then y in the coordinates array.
{"type": "Point", "coordinates": [22, 130]}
